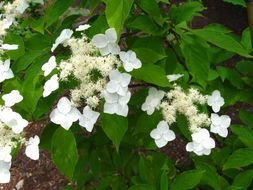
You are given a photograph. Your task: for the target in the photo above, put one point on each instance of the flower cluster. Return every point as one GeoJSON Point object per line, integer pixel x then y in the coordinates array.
{"type": "Point", "coordinates": [95, 64]}
{"type": "Point", "coordinates": [187, 103]}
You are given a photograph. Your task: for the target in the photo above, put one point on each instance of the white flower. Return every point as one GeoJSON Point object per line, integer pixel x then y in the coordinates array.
{"type": "Point", "coordinates": [51, 85]}
{"type": "Point", "coordinates": [6, 22]}
{"type": "Point", "coordinates": [130, 61]}
{"type": "Point", "coordinates": [82, 27]}
{"type": "Point", "coordinates": [118, 82]}
{"type": "Point", "coordinates": [12, 98]}
{"type": "Point", "coordinates": [106, 43]}
{"type": "Point", "coordinates": [9, 47]}
{"type": "Point", "coordinates": [116, 104]}
{"type": "Point", "coordinates": [5, 154]}
{"type": "Point", "coordinates": [88, 118]}
{"type": "Point", "coordinates": [152, 101]}
{"type": "Point", "coordinates": [13, 120]}
{"type": "Point", "coordinates": [162, 134]}
{"type": "Point", "coordinates": [202, 143]}
{"type": "Point", "coordinates": [64, 36]}
{"type": "Point", "coordinates": [215, 100]}
{"type": "Point", "coordinates": [22, 6]}
{"type": "Point", "coordinates": [32, 148]}
{"type": "Point", "coordinates": [5, 71]}
{"type": "Point", "coordinates": [174, 77]}
{"type": "Point", "coordinates": [64, 114]}
{"type": "Point", "coordinates": [5, 174]}
{"type": "Point", "coordinates": [220, 124]}
{"type": "Point", "coordinates": [49, 66]}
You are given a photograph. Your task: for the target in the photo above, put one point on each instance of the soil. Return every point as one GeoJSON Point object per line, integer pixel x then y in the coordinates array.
{"type": "Point", "coordinates": [42, 174]}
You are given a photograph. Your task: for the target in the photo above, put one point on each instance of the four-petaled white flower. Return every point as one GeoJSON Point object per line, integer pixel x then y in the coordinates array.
{"type": "Point", "coordinates": [64, 114]}
{"type": "Point", "coordinates": [106, 43]}
{"type": "Point", "coordinates": [32, 148]}
{"type": "Point", "coordinates": [5, 154]}
{"type": "Point", "coordinates": [82, 27]}
{"type": "Point", "coordinates": [215, 101]}
{"type": "Point", "coordinates": [201, 143]}
{"type": "Point", "coordinates": [51, 85]}
{"type": "Point", "coordinates": [12, 98]}
{"type": "Point", "coordinates": [49, 66]}
{"type": "Point", "coordinates": [174, 77]}
{"type": "Point", "coordinates": [64, 36]}
{"type": "Point", "coordinates": [118, 82]}
{"type": "Point", "coordinates": [5, 174]}
{"type": "Point", "coordinates": [5, 70]}
{"type": "Point", "coordinates": [88, 118]}
{"type": "Point", "coordinates": [162, 134]}
{"type": "Point", "coordinates": [153, 100]}
{"type": "Point", "coordinates": [9, 47]}
{"type": "Point", "coordinates": [130, 61]}
{"type": "Point", "coordinates": [220, 124]}
{"type": "Point", "coordinates": [116, 104]}
{"type": "Point", "coordinates": [13, 120]}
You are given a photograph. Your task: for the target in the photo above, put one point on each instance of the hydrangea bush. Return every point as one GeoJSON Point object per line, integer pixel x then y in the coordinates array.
{"type": "Point", "coordinates": [120, 85]}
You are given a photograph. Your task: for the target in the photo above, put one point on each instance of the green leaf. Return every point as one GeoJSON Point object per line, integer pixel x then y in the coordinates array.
{"type": "Point", "coordinates": [187, 180]}
{"type": "Point", "coordinates": [236, 2]}
{"type": "Point", "coordinates": [152, 74]}
{"type": "Point", "coordinates": [145, 24]}
{"type": "Point", "coordinates": [148, 49]}
{"type": "Point", "coordinates": [142, 187]}
{"type": "Point", "coordinates": [116, 13]}
{"type": "Point", "coordinates": [152, 8]}
{"type": "Point", "coordinates": [223, 40]}
{"type": "Point", "coordinates": [47, 136]}
{"type": "Point", "coordinates": [114, 127]}
{"type": "Point", "coordinates": [243, 179]}
{"type": "Point", "coordinates": [196, 58]}
{"type": "Point", "coordinates": [246, 117]}
{"type": "Point", "coordinates": [164, 182]}
{"type": "Point", "coordinates": [245, 67]}
{"type": "Point", "coordinates": [143, 169]}
{"type": "Point", "coordinates": [183, 125]}
{"type": "Point", "coordinates": [239, 158]}
{"type": "Point", "coordinates": [245, 134]}
{"type": "Point", "coordinates": [231, 75]}
{"type": "Point", "coordinates": [246, 39]}
{"type": "Point", "coordinates": [64, 152]}
{"type": "Point", "coordinates": [186, 11]}
{"type": "Point", "coordinates": [54, 11]}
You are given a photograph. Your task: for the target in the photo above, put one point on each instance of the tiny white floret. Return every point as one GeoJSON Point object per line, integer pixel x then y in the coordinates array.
{"type": "Point", "coordinates": [106, 43]}
{"type": "Point", "coordinates": [64, 36]}
{"type": "Point", "coordinates": [130, 61]}
{"type": "Point", "coordinates": [215, 101]}
{"type": "Point", "coordinates": [162, 134]}
{"type": "Point", "coordinates": [32, 148]}
{"type": "Point", "coordinates": [64, 114]}
{"type": "Point", "coordinates": [174, 77]}
{"type": "Point", "coordinates": [12, 98]}
{"type": "Point", "coordinates": [82, 27]}
{"type": "Point", "coordinates": [153, 100]}
{"type": "Point", "coordinates": [88, 118]}
{"type": "Point", "coordinates": [51, 85]}
{"type": "Point", "coordinates": [49, 66]}
{"type": "Point", "coordinates": [220, 124]}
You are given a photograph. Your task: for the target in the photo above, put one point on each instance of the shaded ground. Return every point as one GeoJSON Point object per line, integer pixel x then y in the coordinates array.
{"type": "Point", "coordinates": [42, 174]}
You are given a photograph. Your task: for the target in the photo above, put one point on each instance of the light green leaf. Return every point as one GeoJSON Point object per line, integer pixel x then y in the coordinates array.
{"type": "Point", "coordinates": [243, 179]}
{"type": "Point", "coordinates": [236, 2]}
{"type": "Point", "coordinates": [245, 134]}
{"type": "Point", "coordinates": [196, 58]}
{"type": "Point", "coordinates": [116, 13]}
{"type": "Point", "coordinates": [64, 152]}
{"type": "Point", "coordinates": [239, 158]}
{"type": "Point", "coordinates": [187, 180]}
{"type": "Point", "coordinates": [152, 74]}
{"type": "Point", "coordinates": [142, 187]}
{"type": "Point", "coordinates": [14, 39]}
{"type": "Point", "coordinates": [223, 40]}
{"type": "Point", "coordinates": [114, 127]}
